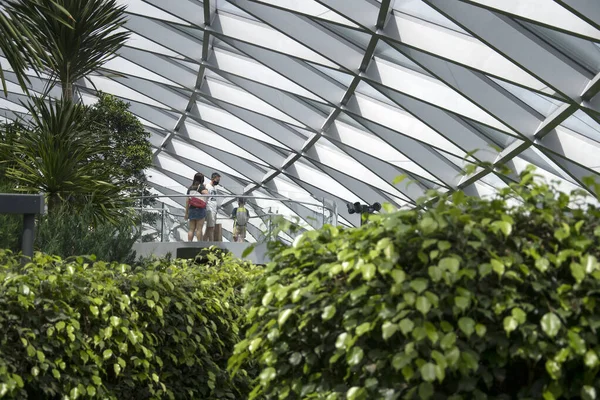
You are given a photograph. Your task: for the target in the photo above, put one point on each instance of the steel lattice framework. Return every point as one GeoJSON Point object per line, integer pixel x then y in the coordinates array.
{"type": "Point", "coordinates": [335, 98]}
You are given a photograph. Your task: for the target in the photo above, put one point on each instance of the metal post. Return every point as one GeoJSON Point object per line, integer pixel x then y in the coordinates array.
{"type": "Point", "coordinates": [28, 235]}
{"type": "Point", "coordinates": [323, 221]}
{"type": "Point", "coordinates": [162, 222]}
{"type": "Point", "coordinates": [270, 225]}
{"type": "Point", "coordinates": [142, 218]}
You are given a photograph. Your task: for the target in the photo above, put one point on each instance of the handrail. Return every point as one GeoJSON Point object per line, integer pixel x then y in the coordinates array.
{"type": "Point", "coordinates": [317, 210]}
{"type": "Point", "coordinates": [284, 200]}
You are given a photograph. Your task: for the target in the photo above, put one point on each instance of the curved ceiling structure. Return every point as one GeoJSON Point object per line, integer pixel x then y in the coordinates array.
{"type": "Point", "coordinates": [312, 99]}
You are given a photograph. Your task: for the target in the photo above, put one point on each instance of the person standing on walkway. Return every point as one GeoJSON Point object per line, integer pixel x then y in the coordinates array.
{"type": "Point", "coordinates": [195, 207]}
{"type": "Point", "coordinates": [240, 217]}
{"type": "Point", "coordinates": [211, 207]}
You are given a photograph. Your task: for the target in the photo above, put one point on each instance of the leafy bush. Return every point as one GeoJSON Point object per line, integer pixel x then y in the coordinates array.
{"type": "Point", "coordinates": [65, 233]}
{"type": "Point", "coordinates": [78, 328]}
{"type": "Point", "coordinates": [11, 225]}
{"type": "Point", "coordinates": [468, 298]}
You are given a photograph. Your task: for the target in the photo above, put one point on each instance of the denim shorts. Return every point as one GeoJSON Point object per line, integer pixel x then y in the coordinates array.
{"type": "Point", "coordinates": [196, 213]}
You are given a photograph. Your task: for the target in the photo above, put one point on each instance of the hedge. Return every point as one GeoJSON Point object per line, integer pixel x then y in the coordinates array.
{"type": "Point", "coordinates": [80, 328]}
{"type": "Point", "coordinates": [466, 299]}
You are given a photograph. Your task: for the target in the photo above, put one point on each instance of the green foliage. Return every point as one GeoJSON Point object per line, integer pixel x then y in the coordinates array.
{"type": "Point", "coordinates": [69, 52]}
{"type": "Point", "coordinates": [65, 234]}
{"type": "Point", "coordinates": [19, 44]}
{"type": "Point", "coordinates": [55, 155]}
{"type": "Point", "coordinates": [126, 151]}
{"type": "Point", "coordinates": [82, 329]}
{"type": "Point", "coordinates": [466, 299]}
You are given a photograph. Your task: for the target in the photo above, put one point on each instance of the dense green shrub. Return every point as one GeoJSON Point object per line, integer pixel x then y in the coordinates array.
{"type": "Point", "coordinates": [66, 233]}
{"type": "Point", "coordinates": [83, 329]}
{"type": "Point", "coordinates": [468, 299]}
{"type": "Point", "coordinates": [11, 225]}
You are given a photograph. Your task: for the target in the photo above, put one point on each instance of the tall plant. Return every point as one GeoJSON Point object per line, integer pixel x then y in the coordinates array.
{"type": "Point", "coordinates": [55, 154]}
{"type": "Point", "coordinates": [18, 42]}
{"type": "Point", "coordinates": [69, 53]}
{"type": "Point", "coordinates": [128, 152]}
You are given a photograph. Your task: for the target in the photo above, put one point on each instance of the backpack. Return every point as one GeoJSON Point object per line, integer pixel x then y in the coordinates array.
{"type": "Point", "coordinates": [196, 200]}
{"type": "Point", "coordinates": [241, 216]}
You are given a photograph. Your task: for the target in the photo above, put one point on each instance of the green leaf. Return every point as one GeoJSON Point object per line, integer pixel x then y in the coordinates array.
{"type": "Point", "coordinates": [485, 269]}
{"type": "Point", "coordinates": [117, 369]}
{"type": "Point", "coordinates": [295, 358]}
{"type": "Point", "coordinates": [254, 344]}
{"type": "Point", "coordinates": [435, 273]}
{"type": "Point", "coordinates": [550, 324]}
{"type": "Point", "coordinates": [480, 330]}
{"type": "Point", "coordinates": [449, 264]}
{"type": "Point", "coordinates": [400, 360]}
{"type": "Point", "coordinates": [503, 226]}
{"type": "Point", "coordinates": [591, 359]}
{"type": "Point", "coordinates": [588, 393]}
{"type": "Point", "coordinates": [399, 179]}
{"type": "Point", "coordinates": [388, 330]}
{"type": "Point", "coordinates": [368, 271]}
{"type": "Point", "coordinates": [426, 390]}
{"type": "Point", "coordinates": [283, 316]}
{"type": "Point", "coordinates": [428, 372]}
{"type": "Point", "coordinates": [467, 326]}
{"type": "Point", "coordinates": [419, 285]}
{"type": "Point", "coordinates": [355, 356]}
{"type": "Point", "coordinates": [428, 224]}
{"type": "Point", "coordinates": [107, 354]}
{"type": "Point", "coordinates": [519, 315]}
{"type": "Point", "coordinates": [452, 355]}
{"type": "Point", "coordinates": [248, 250]}
{"type": "Point", "coordinates": [578, 272]}
{"type": "Point", "coordinates": [328, 313]}
{"type": "Point", "coordinates": [95, 311]}
{"type": "Point", "coordinates": [497, 266]}
{"type": "Point", "coordinates": [576, 342]}
{"type": "Point", "coordinates": [462, 302]}
{"type": "Point", "coordinates": [423, 305]}
{"type": "Point", "coordinates": [510, 324]}
{"type": "Point", "coordinates": [342, 340]}
{"type": "Point", "coordinates": [542, 264]}
{"type": "Point", "coordinates": [363, 328]}
{"type": "Point", "coordinates": [444, 245]}
{"type": "Point", "coordinates": [398, 275]}
{"type": "Point", "coordinates": [406, 326]}
{"type": "Point", "coordinates": [355, 393]}
{"type": "Point", "coordinates": [448, 341]}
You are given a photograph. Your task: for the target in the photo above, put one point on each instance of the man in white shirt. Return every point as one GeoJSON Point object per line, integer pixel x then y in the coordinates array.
{"type": "Point", "coordinates": [211, 207]}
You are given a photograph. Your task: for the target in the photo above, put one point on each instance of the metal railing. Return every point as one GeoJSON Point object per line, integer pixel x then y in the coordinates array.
{"type": "Point", "coordinates": [161, 217]}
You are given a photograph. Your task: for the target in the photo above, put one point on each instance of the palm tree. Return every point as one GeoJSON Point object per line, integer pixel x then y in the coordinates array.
{"type": "Point", "coordinates": [55, 154]}
{"type": "Point", "coordinates": [18, 42]}
{"type": "Point", "coordinates": [52, 154]}
{"type": "Point", "coordinates": [71, 52]}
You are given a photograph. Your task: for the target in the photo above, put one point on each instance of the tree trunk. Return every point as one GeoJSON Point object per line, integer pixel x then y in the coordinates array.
{"type": "Point", "coordinates": [67, 91]}
{"type": "Point", "coordinates": [54, 202]}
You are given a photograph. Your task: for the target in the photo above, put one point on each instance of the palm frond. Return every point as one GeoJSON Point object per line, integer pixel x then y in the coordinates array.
{"type": "Point", "coordinates": [73, 52]}
{"type": "Point", "coordinates": [55, 154]}
{"type": "Point", "coordinates": [18, 40]}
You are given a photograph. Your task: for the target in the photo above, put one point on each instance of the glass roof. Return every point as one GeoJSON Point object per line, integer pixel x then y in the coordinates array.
{"type": "Point", "coordinates": [309, 99]}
